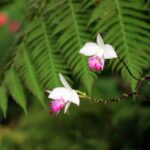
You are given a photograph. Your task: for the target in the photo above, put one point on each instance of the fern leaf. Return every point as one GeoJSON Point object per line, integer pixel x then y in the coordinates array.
{"type": "Point", "coordinates": [3, 100]}
{"type": "Point", "coordinates": [69, 24]}
{"type": "Point", "coordinates": [46, 59]}
{"type": "Point", "coordinates": [27, 72]}
{"type": "Point", "coordinates": [15, 88]}
{"type": "Point", "coordinates": [127, 32]}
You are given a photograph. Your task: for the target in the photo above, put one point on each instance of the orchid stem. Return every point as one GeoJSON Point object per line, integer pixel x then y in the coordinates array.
{"type": "Point", "coordinates": [118, 99]}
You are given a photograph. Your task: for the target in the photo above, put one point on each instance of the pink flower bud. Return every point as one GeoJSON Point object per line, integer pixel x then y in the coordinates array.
{"type": "Point", "coordinates": [3, 19]}
{"type": "Point", "coordinates": [14, 26]}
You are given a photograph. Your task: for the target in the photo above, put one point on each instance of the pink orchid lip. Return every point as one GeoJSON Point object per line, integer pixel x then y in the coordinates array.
{"type": "Point", "coordinates": [95, 63]}
{"type": "Point", "coordinates": [56, 105]}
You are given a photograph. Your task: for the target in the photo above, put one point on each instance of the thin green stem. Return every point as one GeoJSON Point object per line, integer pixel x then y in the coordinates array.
{"type": "Point", "coordinates": [105, 101]}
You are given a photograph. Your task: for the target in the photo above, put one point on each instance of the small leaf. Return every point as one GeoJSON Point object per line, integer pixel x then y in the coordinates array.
{"type": "Point", "coordinates": [3, 100]}
{"type": "Point", "coordinates": [15, 88]}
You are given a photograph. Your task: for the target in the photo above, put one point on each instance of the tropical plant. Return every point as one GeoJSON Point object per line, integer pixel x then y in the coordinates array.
{"type": "Point", "coordinates": [52, 34]}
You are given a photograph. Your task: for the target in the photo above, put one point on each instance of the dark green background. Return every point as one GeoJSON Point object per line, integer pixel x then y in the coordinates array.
{"type": "Point", "coordinates": [91, 126]}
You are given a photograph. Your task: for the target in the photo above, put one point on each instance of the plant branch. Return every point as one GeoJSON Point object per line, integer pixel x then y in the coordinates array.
{"type": "Point", "coordinates": [104, 101]}
{"type": "Point", "coordinates": [124, 95]}
{"type": "Point", "coordinates": [118, 99]}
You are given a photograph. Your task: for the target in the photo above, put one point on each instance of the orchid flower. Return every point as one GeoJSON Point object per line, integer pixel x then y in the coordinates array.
{"type": "Point", "coordinates": [97, 53]}
{"type": "Point", "coordinates": [62, 97]}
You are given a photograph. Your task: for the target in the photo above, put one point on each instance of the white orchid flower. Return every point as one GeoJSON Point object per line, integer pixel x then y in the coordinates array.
{"type": "Point", "coordinates": [62, 97]}
{"type": "Point", "coordinates": [97, 53]}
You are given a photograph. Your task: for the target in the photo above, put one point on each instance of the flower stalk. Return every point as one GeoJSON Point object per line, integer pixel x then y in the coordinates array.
{"type": "Point", "coordinates": [136, 93]}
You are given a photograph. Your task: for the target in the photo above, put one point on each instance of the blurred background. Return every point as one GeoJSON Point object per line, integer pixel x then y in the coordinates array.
{"type": "Point", "coordinates": [118, 126]}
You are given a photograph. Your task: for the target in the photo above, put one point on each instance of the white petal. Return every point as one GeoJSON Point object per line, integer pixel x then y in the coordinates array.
{"type": "Point", "coordinates": [109, 52]}
{"type": "Point", "coordinates": [74, 98]}
{"type": "Point", "coordinates": [64, 82]}
{"type": "Point", "coordinates": [103, 62]}
{"type": "Point", "coordinates": [60, 92]}
{"type": "Point", "coordinates": [99, 40]}
{"type": "Point", "coordinates": [89, 49]}
{"type": "Point", "coordinates": [100, 54]}
{"type": "Point", "coordinates": [66, 107]}
{"type": "Point", "coordinates": [48, 91]}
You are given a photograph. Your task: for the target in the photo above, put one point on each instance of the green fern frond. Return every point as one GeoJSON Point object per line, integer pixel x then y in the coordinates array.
{"type": "Point", "coordinates": [124, 24]}
{"type": "Point", "coordinates": [46, 59]}
{"type": "Point", "coordinates": [15, 88]}
{"type": "Point", "coordinates": [3, 100]}
{"type": "Point", "coordinates": [27, 72]}
{"type": "Point", "coordinates": [70, 26]}
{"type": "Point", "coordinates": [56, 30]}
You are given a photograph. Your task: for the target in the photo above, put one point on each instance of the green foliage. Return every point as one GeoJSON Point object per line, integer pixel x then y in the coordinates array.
{"type": "Point", "coordinates": [124, 125]}
{"type": "Point", "coordinates": [3, 100]}
{"type": "Point", "coordinates": [15, 88]}
{"type": "Point", "coordinates": [27, 71]}
{"type": "Point", "coordinates": [125, 25]}
{"type": "Point", "coordinates": [70, 22]}
{"type": "Point", "coordinates": [53, 33]}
